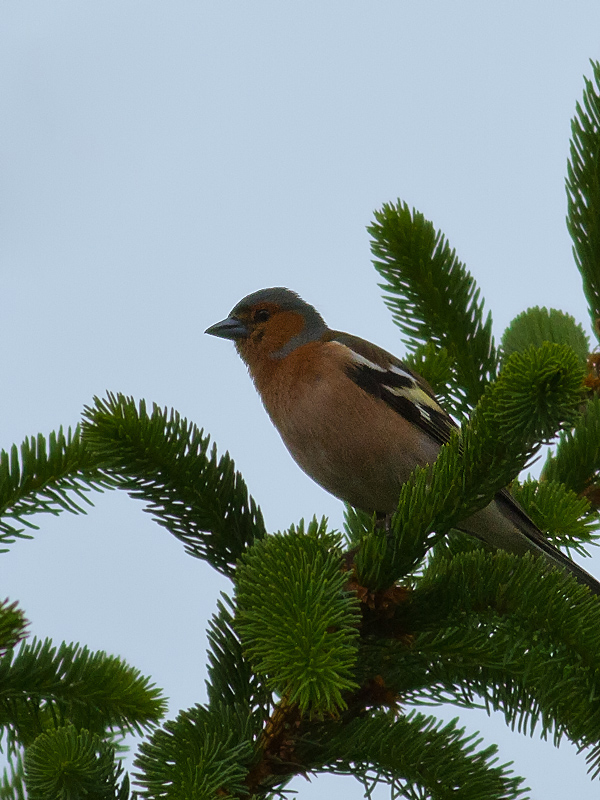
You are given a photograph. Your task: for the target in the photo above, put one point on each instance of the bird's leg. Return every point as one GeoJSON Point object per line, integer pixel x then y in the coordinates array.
{"type": "Point", "coordinates": [383, 522]}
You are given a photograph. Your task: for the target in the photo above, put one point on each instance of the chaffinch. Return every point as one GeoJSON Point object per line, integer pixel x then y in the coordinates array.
{"type": "Point", "coordinates": [356, 419]}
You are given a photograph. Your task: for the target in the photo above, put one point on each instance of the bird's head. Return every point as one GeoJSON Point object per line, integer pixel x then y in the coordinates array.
{"type": "Point", "coordinates": [270, 323]}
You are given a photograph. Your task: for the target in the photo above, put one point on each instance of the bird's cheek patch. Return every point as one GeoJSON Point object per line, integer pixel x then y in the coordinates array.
{"type": "Point", "coordinates": [281, 339]}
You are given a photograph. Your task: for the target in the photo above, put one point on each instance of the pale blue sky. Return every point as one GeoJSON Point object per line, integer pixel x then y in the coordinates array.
{"type": "Point", "coordinates": [161, 160]}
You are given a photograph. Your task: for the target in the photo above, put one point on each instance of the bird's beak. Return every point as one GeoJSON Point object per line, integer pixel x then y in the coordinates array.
{"type": "Point", "coordinates": [230, 328]}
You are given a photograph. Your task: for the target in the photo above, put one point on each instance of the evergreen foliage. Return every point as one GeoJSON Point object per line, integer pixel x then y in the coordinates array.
{"type": "Point", "coordinates": [67, 764]}
{"type": "Point", "coordinates": [566, 518]}
{"type": "Point", "coordinates": [538, 325]}
{"type": "Point", "coordinates": [417, 756]}
{"type": "Point", "coordinates": [45, 478]}
{"type": "Point", "coordinates": [232, 681]}
{"type": "Point", "coordinates": [576, 462]}
{"type": "Point", "coordinates": [12, 625]}
{"type": "Point", "coordinates": [327, 644]}
{"type": "Point", "coordinates": [203, 753]}
{"type": "Point", "coordinates": [297, 620]}
{"type": "Point", "coordinates": [168, 462]}
{"type": "Point", "coordinates": [12, 786]}
{"type": "Point", "coordinates": [531, 643]}
{"type": "Point", "coordinates": [583, 192]}
{"type": "Point", "coordinates": [434, 299]}
{"type": "Point", "coordinates": [41, 686]}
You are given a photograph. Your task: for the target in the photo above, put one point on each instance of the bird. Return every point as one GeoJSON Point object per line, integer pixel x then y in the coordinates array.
{"type": "Point", "coordinates": [358, 420]}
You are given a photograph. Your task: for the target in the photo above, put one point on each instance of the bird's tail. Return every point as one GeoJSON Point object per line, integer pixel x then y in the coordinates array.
{"type": "Point", "coordinates": [504, 524]}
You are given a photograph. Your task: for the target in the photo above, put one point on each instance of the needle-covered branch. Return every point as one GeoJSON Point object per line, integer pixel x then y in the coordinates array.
{"type": "Point", "coordinates": [565, 517]}
{"type": "Point", "coordinates": [298, 623]}
{"type": "Point", "coordinates": [576, 462]}
{"type": "Point", "coordinates": [504, 631]}
{"type": "Point", "coordinates": [538, 325]}
{"type": "Point", "coordinates": [167, 461]}
{"type": "Point", "coordinates": [12, 625]}
{"type": "Point", "coordinates": [434, 299]}
{"type": "Point", "coordinates": [42, 686]}
{"type": "Point", "coordinates": [46, 477]}
{"type": "Point", "coordinates": [71, 763]}
{"type": "Point", "coordinates": [583, 192]}
{"type": "Point", "coordinates": [415, 755]}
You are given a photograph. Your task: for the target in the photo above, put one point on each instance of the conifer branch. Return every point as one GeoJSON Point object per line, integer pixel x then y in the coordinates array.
{"type": "Point", "coordinates": [12, 785]}
{"type": "Point", "coordinates": [417, 756]}
{"type": "Point", "coordinates": [576, 462]}
{"type": "Point", "coordinates": [520, 636]}
{"type": "Point", "coordinates": [566, 518]}
{"type": "Point", "coordinates": [538, 325]}
{"type": "Point", "coordinates": [583, 192]}
{"type": "Point", "coordinates": [202, 753]}
{"type": "Point", "coordinates": [12, 625]}
{"type": "Point", "coordinates": [297, 622]}
{"type": "Point", "coordinates": [232, 681]}
{"type": "Point", "coordinates": [67, 763]}
{"type": "Point", "coordinates": [433, 298]}
{"type": "Point", "coordinates": [45, 478]}
{"type": "Point", "coordinates": [168, 462]}
{"type": "Point", "coordinates": [42, 686]}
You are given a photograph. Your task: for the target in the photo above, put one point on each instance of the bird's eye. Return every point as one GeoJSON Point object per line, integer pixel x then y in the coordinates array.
{"type": "Point", "coordinates": [262, 315]}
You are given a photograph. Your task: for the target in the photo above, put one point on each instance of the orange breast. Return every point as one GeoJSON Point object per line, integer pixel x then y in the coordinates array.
{"type": "Point", "coordinates": [354, 445]}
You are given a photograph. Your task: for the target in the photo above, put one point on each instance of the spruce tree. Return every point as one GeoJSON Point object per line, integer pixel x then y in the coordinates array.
{"type": "Point", "coordinates": [329, 641]}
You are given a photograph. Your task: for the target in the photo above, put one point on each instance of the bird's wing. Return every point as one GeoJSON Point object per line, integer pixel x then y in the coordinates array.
{"type": "Point", "coordinates": [383, 375]}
